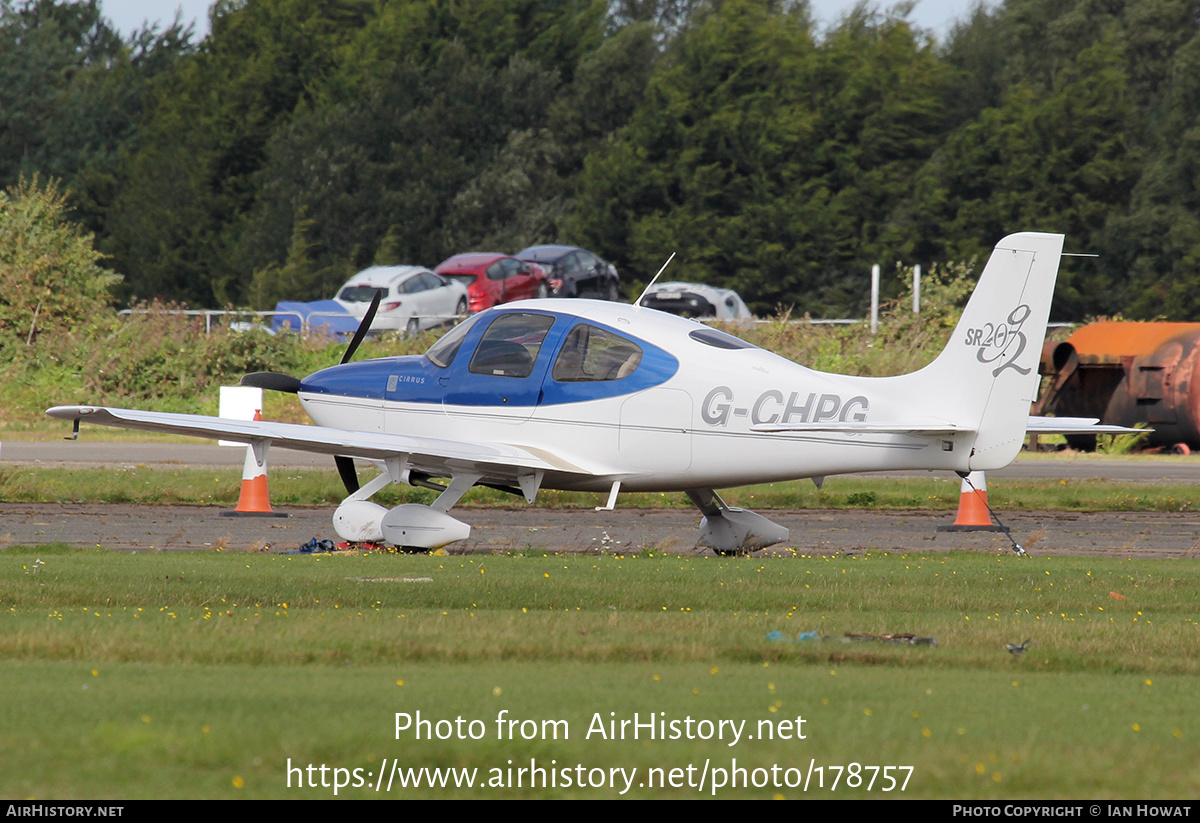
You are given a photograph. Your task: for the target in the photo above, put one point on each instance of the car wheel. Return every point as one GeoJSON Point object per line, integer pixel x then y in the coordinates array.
{"type": "Point", "coordinates": [543, 291]}
{"type": "Point", "coordinates": [611, 292]}
{"type": "Point", "coordinates": [461, 310]}
{"type": "Point", "coordinates": [414, 327]}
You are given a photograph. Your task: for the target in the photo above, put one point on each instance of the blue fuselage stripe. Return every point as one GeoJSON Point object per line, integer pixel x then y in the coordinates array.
{"type": "Point", "coordinates": [416, 379]}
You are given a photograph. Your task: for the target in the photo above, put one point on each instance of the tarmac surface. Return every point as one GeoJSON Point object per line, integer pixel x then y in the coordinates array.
{"type": "Point", "coordinates": [191, 528]}
{"type": "Point", "coordinates": [501, 530]}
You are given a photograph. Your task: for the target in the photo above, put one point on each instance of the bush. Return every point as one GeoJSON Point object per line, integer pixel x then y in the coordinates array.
{"type": "Point", "coordinates": [905, 341]}
{"type": "Point", "coordinates": [50, 277]}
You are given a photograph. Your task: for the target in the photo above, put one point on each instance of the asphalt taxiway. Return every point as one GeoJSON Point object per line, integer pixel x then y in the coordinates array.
{"type": "Point", "coordinates": [500, 530]}
{"type": "Point", "coordinates": [183, 528]}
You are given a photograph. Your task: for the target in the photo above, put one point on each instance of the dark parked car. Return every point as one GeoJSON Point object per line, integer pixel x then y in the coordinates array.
{"type": "Point", "coordinates": [574, 272]}
{"type": "Point", "coordinates": [492, 279]}
{"type": "Point", "coordinates": [414, 298]}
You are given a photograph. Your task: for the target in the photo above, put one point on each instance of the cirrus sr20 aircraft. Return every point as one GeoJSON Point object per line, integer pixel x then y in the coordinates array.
{"type": "Point", "coordinates": [597, 396]}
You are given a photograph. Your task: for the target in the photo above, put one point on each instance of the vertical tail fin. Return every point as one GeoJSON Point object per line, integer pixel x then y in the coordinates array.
{"type": "Point", "coordinates": [988, 372]}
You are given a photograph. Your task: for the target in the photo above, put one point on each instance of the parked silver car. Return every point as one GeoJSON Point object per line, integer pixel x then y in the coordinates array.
{"type": "Point", "coordinates": [414, 298]}
{"type": "Point", "coordinates": [696, 300]}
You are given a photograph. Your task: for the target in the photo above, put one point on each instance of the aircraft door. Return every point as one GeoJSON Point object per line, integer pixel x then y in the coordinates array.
{"type": "Point", "coordinates": [598, 366]}
{"type": "Point", "coordinates": [655, 430]}
{"type": "Point", "coordinates": [500, 378]}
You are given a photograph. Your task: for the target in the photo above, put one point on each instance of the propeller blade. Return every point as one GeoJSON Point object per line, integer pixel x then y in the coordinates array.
{"type": "Point", "coordinates": [272, 380]}
{"type": "Point", "coordinates": [345, 467]}
{"type": "Point", "coordinates": [363, 328]}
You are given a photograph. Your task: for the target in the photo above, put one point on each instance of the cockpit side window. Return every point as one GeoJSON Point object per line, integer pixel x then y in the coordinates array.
{"type": "Point", "coordinates": [510, 346]}
{"type": "Point", "coordinates": [443, 352]}
{"type": "Point", "coordinates": [591, 353]}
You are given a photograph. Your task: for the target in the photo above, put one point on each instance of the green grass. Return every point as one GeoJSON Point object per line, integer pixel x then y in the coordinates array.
{"type": "Point", "coordinates": [201, 674]}
{"type": "Point", "coordinates": [296, 486]}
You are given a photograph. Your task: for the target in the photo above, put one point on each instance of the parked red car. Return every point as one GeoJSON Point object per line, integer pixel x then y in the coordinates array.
{"type": "Point", "coordinates": [493, 278]}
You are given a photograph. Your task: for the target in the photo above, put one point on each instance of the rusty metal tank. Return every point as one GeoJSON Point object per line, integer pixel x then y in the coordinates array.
{"type": "Point", "coordinates": [1127, 373]}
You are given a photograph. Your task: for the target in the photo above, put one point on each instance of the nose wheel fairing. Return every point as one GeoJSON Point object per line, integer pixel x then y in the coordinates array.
{"type": "Point", "coordinates": [410, 525]}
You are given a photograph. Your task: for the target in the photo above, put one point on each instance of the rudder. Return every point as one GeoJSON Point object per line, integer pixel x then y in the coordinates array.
{"type": "Point", "coordinates": [988, 371]}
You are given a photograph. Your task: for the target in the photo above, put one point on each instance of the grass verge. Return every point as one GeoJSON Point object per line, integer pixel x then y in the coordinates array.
{"type": "Point", "coordinates": [203, 675]}
{"type": "Point", "coordinates": [143, 484]}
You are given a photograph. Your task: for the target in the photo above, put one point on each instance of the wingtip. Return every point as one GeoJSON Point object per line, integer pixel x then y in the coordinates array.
{"type": "Point", "coordinates": [69, 412]}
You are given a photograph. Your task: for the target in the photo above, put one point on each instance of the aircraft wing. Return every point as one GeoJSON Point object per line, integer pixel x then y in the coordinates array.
{"type": "Point", "coordinates": [1036, 425]}
{"type": "Point", "coordinates": [423, 451]}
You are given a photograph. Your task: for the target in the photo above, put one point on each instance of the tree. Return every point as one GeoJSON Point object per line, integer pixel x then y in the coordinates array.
{"type": "Point", "coordinates": [72, 94]}
{"type": "Point", "coordinates": [50, 277]}
{"type": "Point", "coordinates": [768, 161]}
{"type": "Point", "coordinates": [1050, 159]}
{"type": "Point", "coordinates": [431, 159]}
{"type": "Point", "coordinates": [193, 178]}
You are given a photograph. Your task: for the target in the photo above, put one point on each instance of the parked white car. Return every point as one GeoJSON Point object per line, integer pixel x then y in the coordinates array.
{"type": "Point", "coordinates": [414, 298]}
{"type": "Point", "coordinates": [696, 300]}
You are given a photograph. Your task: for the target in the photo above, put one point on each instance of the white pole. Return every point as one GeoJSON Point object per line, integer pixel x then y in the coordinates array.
{"type": "Point", "coordinates": [917, 289]}
{"type": "Point", "coordinates": [874, 298]}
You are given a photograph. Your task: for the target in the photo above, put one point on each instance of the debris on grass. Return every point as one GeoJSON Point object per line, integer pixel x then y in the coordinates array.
{"type": "Point", "coordinates": [851, 637]}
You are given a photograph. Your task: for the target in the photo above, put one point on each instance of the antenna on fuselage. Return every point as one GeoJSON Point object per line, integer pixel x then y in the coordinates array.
{"type": "Point", "coordinates": [637, 304]}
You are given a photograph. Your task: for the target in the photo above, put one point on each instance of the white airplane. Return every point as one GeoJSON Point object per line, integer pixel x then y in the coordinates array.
{"type": "Point", "coordinates": [597, 396]}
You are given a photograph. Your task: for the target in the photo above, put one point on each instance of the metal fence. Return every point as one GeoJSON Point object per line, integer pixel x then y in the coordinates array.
{"type": "Point", "coordinates": [307, 325]}
{"type": "Point", "coordinates": [246, 320]}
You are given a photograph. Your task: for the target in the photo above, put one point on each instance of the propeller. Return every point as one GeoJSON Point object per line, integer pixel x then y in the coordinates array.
{"type": "Point", "coordinates": [346, 470]}
{"type": "Point", "coordinates": [363, 327]}
{"type": "Point", "coordinates": [345, 465]}
{"type": "Point", "coordinates": [277, 381]}
{"type": "Point", "coordinates": [273, 380]}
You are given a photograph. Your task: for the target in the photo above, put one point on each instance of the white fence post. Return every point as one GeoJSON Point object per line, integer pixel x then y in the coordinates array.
{"type": "Point", "coordinates": [874, 298]}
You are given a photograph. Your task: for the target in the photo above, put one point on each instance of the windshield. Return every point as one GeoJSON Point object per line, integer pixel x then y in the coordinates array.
{"type": "Point", "coordinates": [443, 352]}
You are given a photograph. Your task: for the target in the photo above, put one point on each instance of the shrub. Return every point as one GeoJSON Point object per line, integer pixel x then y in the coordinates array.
{"type": "Point", "coordinates": [50, 277]}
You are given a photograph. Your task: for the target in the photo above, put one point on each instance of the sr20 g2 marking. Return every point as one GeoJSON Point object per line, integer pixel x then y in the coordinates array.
{"type": "Point", "coordinates": [1002, 342]}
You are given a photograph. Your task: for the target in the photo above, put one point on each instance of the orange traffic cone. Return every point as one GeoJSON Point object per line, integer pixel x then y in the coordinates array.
{"type": "Point", "coordinates": [973, 513]}
{"type": "Point", "coordinates": [254, 499]}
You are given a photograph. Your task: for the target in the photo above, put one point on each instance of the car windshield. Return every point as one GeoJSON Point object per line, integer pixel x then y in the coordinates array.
{"type": "Point", "coordinates": [361, 294]}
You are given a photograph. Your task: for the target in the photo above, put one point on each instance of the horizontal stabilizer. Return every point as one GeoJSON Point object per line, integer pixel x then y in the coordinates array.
{"type": "Point", "coordinates": [1076, 425]}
